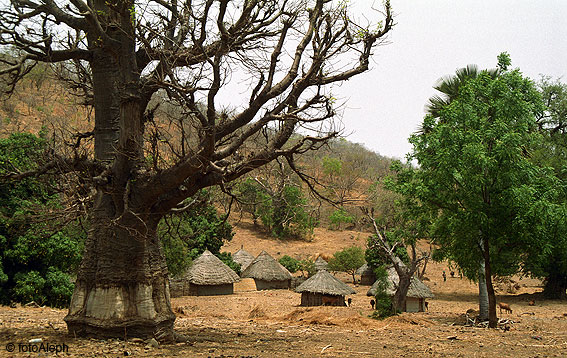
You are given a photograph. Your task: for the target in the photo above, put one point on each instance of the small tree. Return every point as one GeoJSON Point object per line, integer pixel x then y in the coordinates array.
{"type": "Point", "coordinates": [291, 264]}
{"type": "Point", "coordinates": [347, 260]}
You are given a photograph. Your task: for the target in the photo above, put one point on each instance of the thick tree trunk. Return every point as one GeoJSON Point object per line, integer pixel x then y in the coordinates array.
{"type": "Point", "coordinates": [122, 287]}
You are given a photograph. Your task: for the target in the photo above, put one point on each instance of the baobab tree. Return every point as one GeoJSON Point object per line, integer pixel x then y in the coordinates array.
{"type": "Point", "coordinates": [122, 55]}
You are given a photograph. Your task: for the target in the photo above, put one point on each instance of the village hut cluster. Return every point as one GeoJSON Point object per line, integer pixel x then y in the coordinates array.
{"type": "Point", "coordinates": [208, 275]}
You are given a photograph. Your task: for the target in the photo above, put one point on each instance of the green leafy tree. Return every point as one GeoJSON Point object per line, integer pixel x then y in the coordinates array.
{"type": "Point", "coordinates": [489, 200]}
{"type": "Point", "coordinates": [188, 233]}
{"type": "Point", "coordinates": [347, 260]}
{"type": "Point", "coordinates": [551, 263]}
{"type": "Point", "coordinates": [291, 264]}
{"type": "Point", "coordinates": [38, 253]}
{"type": "Point", "coordinates": [340, 216]}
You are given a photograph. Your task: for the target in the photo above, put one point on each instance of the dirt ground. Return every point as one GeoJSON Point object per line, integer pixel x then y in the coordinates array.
{"type": "Point", "coordinates": [271, 323]}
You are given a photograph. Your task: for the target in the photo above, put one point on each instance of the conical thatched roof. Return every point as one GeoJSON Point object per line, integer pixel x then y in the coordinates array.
{"type": "Point", "coordinates": [362, 269]}
{"type": "Point", "coordinates": [417, 289]}
{"type": "Point", "coordinates": [243, 257]}
{"type": "Point", "coordinates": [209, 270]}
{"type": "Point", "coordinates": [325, 283]}
{"type": "Point", "coordinates": [321, 264]}
{"type": "Point", "coordinates": [266, 268]}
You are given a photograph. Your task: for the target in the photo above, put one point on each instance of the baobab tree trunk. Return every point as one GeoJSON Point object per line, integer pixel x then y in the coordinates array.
{"type": "Point", "coordinates": [122, 287]}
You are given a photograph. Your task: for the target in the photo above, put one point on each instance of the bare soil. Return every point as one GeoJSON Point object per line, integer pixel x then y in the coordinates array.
{"type": "Point", "coordinates": [271, 323]}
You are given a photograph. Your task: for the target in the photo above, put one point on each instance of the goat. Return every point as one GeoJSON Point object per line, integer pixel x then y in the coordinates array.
{"type": "Point", "coordinates": [372, 303]}
{"type": "Point", "coordinates": [531, 303]}
{"type": "Point", "coordinates": [505, 307]}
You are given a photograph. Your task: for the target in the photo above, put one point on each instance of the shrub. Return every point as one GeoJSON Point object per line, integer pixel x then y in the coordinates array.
{"type": "Point", "coordinates": [291, 264]}
{"type": "Point", "coordinates": [187, 235]}
{"type": "Point", "coordinates": [37, 257]}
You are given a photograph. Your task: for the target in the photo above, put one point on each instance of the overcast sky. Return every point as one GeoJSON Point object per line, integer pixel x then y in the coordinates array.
{"type": "Point", "coordinates": [433, 38]}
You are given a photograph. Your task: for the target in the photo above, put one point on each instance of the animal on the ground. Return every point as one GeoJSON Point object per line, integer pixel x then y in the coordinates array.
{"type": "Point", "coordinates": [531, 303]}
{"type": "Point", "coordinates": [505, 307]}
{"type": "Point", "coordinates": [372, 303]}
{"type": "Point", "coordinates": [426, 306]}
{"type": "Point", "coordinates": [349, 302]}
{"type": "Point", "coordinates": [330, 300]}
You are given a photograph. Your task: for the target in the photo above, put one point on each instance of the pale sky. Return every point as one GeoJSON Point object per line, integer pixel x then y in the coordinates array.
{"type": "Point", "coordinates": [433, 38]}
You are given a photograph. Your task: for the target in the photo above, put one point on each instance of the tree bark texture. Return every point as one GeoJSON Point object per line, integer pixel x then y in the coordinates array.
{"type": "Point", "coordinates": [482, 292]}
{"type": "Point", "coordinates": [492, 317]}
{"type": "Point", "coordinates": [122, 287]}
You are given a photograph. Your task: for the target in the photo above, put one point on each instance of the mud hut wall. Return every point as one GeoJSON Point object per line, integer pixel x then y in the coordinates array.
{"type": "Point", "coordinates": [413, 304]}
{"type": "Point", "coordinates": [272, 285]}
{"type": "Point", "coordinates": [316, 299]}
{"type": "Point", "coordinates": [367, 279]}
{"type": "Point", "coordinates": [210, 290]}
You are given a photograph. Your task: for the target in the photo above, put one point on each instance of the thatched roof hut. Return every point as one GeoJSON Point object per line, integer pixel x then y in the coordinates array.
{"type": "Point", "coordinates": [418, 292]}
{"type": "Point", "coordinates": [267, 273]}
{"type": "Point", "coordinates": [243, 257]}
{"type": "Point", "coordinates": [207, 275]}
{"type": "Point", "coordinates": [367, 276]}
{"type": "Point", "coordinates": [321, 264]}
{"type": "Point", "coordinates": [323, 289]}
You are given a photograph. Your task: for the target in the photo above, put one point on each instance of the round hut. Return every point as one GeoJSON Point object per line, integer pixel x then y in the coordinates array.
{"type": "Point", "coordinates": [323, 289]}
{"type": "Point", "coordinates": [418, 292]}
{"type": "Point", "coordinates": [321, 264]}
{"type": "Point", "coordinates": [207, 276]}
{"type": "Point", "coordinates": [267, 273]}
{"type": "Point", "coordinates": [367, 276]}
{"type": "Point", "coordinates": [242, 257]}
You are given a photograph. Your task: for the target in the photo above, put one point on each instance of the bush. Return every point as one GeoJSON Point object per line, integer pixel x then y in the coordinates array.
{"type": "Point", "coordinates": [226, 257]}
{"type": "Point", "coordinates": [383, 306]}
{"type": "Point", "coordinates": [187, 235]}
{"type": "Point", "coordinates": [37, 257]}
{"type": "Point", "coordinates": [307, 267]}
{"type": "Point", "coordinates": [291, 264]}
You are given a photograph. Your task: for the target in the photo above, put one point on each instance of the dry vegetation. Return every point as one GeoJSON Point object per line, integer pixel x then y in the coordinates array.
{"type": "Point", "coordinates": [268, 323]}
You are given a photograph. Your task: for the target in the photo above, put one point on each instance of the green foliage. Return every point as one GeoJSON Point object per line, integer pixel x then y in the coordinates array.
{"type": "Point", "coordinates": [291, 264]}
{"type": "Point", "coordinates": [383, 302]}
{"type": "Point", "coordinates": [282, 212]}
{"type": "Point", "coordinates": [332, 166]}
{"type": "Point", "coordinates": [226, 257]}
{"type": "Point", "coordinates": [307, 267]}
{"type": "Point", "coordinates": [37, 256]}
{"type": "Point", "coordinates": [187, 235]}
{"type": "Point", "coordinates": [475, 180]}
{"type": "Point", "coordinates": [551, 263]}
{"type": "Point", "coordinates": [347, 260]}
{"type": "Point", "coordinates": [340, 216]}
